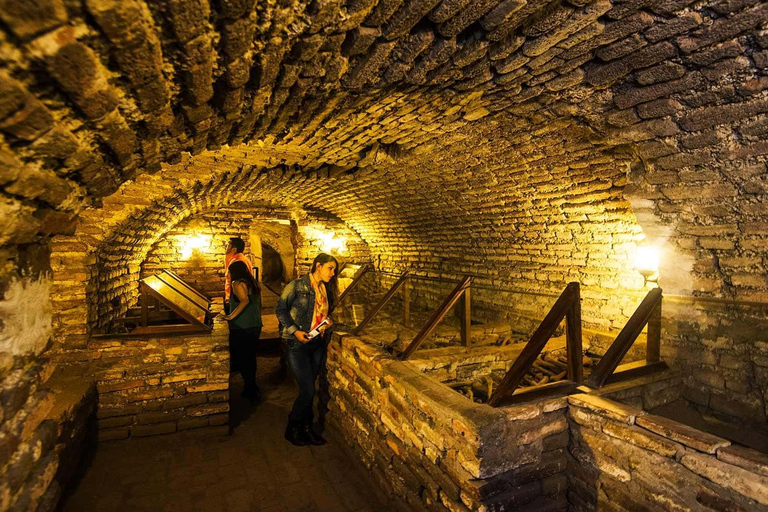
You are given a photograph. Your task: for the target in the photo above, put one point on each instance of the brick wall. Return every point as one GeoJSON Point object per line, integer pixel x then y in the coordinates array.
{"type": "Point", "coordinates": [433, 448]}
{"type": "Point", "coordinates": [622, 454]}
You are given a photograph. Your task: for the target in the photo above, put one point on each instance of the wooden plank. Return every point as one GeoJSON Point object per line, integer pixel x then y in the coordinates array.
{"type": "Point", "coordinates": [636, 369]}
{"type": "Point", "coordinates": [653, 342]}
{"type": "Point", "coordinates": [465, 317]}
{"type": "Point", "coordinates": [563, 387]}
{"type": "Point", "coordinates": [573, 338]}
{"type": "Point", "coordinates": [170, 329]}
{"type": "Point", "coordinates": [355, 281]}
{"type": "Point", "coordinates": [535, 345]}
{"type": "Point", "coordinates": [383, 302]}
{"type": "Point", "coordinates": [624, 340]}
{"type": "Point", "coordinates": [437, 317]}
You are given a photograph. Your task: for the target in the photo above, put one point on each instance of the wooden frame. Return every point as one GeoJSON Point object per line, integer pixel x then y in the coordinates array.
{"type": "Point", "coordinates": [168, 289]}
{"type": "Point", "coordinates": [355, 280]}
{"type": "Point", "coordinates": [567, 306]}
{"type": "Point", "coordinates": [461, 289]}
{"type": "Point", "coordinates": [608, 369]}
{"type": "Point", "coordinates": [383, 302]}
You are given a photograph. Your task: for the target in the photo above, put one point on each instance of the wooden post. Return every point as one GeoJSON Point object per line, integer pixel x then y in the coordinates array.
{"type": "Point", "coordinates": [407, 303]}
{"type": "Point", "coordinates": [437, 317]}
{"type": "Point", "coordinates": [573, 337]}
{"type": "Point", "coordinates": [623, 342]}
{"type": "Point", "coordinates": [144, 307]}
{"type": "Point", "coordinates": [383, 302]}
{"type": "Point", "coordinates": [465, 317]}
{"type": "Point", "coordinates": [653, 342]}
{"type": "Point", "coordinates": [535, 345]}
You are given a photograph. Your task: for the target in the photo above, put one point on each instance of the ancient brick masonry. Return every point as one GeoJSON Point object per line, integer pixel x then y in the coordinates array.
{"type": "Point", "coordinates": [530, 144]}
{"type": "Point", "coordinates": [433, 448]}
{"type": "Point", "coordinates": [620, 453]}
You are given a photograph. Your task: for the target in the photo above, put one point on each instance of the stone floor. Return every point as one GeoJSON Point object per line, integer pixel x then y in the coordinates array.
{"type": "Point", "coordinates": [253, 469]}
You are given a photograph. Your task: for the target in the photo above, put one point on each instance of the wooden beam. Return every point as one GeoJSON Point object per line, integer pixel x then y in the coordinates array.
{"type": "Point", "coordinates": [635, 369]}
{"type": "Point", "coordinates": [407, 303]}
{"type": "Point", "coordinates": [535, 345]}
{"type": "Point", "coordinates": [383, 302]}
{"type": "Point", "coordinates": [573, 338]}
{"type": "Point", "coordinates": [653, 341]}
{"type": "Point", "coordinates": [437, 317]}
{"type": "Point", "coordinates": [355, 281]}
{"type": "Point", "coordinates": [465, 317]}
{"type": "Point", "coordinates": [563, 387]}
{"type": "Point", "coordinates": [619, 348]}
{"type": "Point", "coordinates": [144, 306]}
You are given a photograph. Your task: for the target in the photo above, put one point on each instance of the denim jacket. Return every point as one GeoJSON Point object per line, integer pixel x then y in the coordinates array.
{"type": "Point", "coordinates": [296, 306]}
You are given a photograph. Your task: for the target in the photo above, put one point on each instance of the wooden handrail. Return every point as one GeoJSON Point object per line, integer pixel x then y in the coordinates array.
{"type": "Point", "coordinates": [567, 305]}
{"type": "Point", "coordinates": [355, 280]}
{"type": "Point", "coordinates": [437, 316]}
{"type": "Point", "coordinates": [649, 310]}
{"type": "Point", "coordinates": [383, 302]}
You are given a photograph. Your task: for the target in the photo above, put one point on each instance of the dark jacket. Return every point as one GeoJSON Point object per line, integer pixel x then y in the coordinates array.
{"type": "Point", "coordinates": [296, 306]}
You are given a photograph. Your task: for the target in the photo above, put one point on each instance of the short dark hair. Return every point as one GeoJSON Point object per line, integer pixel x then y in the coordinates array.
{"type": "Point", "coordinates": [237, 243]}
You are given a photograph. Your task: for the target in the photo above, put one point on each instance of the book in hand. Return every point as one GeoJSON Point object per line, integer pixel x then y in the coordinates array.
{"type": "Point", "coordinates": [316, 331]}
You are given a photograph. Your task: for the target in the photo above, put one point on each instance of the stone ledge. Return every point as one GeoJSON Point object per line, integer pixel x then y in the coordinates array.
{"type": "Point", "coordinates": [684, 434]}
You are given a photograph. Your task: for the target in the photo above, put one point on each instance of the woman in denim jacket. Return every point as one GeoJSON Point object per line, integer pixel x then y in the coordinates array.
{"type": "Point", "coordinates": [304, 304]}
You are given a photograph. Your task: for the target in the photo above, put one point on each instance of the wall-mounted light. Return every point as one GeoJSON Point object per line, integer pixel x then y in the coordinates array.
{"type": "Point", "coordinates": [328, 241]}
{"type": "Point", "coordinates": [192, 243]}
{"type": "Point", "coordinates": [647, 263]}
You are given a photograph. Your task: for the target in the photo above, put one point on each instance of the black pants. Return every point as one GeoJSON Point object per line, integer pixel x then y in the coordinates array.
{"type": "Point", "coordinates": [243, 346]}
{"type": "Point", "coordinates": [305, 361]}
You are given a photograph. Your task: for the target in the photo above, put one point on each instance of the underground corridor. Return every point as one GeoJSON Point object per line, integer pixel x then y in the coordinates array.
{"type": "Point", "coordinates": [549, 220]}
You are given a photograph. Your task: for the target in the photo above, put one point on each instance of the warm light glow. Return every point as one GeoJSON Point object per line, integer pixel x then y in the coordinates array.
{"type": "Point", "coordinates": [192, 243]}
{"type": "Point", "coordinates": [647, 263]}
{"type": "Point", "coordinates": [328, 241]}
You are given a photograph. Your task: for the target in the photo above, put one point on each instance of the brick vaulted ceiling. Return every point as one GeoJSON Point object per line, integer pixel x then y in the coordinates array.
{"type": "Point", "coordinates": [418, 112]}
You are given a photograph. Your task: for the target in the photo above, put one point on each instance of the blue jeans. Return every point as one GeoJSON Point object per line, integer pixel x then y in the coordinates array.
{"type": "Point", "coordinates": [305, 361]}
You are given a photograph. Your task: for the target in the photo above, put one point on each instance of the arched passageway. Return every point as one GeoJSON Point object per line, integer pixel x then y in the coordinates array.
{"type": "Point", "coordinates": [529, 144]}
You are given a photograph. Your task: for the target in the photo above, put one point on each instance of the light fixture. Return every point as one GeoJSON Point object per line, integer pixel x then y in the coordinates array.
{"type": "Point", "coordinates": [328, 241]}
{"type": "Point", "coordinates": [192, 243]}
{"type": "Point", "coordinates": [647, 263]}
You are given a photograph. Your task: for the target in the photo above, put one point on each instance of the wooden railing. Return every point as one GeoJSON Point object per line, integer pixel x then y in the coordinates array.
{"type": "Point", "coordinates": [567, 306]}
{"type": "Point", "coordinates": [355, 281]}
{"type": "Point", "coordinates": [383, 302]}
{"type": "Point", "coordinates": [462, 290]}
{"type": "Point", "coordinates": [608, 369]}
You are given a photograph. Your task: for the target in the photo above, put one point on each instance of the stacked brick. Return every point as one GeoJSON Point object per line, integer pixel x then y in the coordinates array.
{"type": "Point", "coordinates": [435, 449]}
{"type": "Point", "coordinates": [621, 453]}
{"type": "Point", "coordinates": [46, 430]}
{"type": "Point", "coordinates": [160, 385]}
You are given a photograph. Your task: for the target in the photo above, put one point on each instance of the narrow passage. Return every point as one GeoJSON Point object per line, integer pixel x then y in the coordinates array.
{"type": "Point", "coordinates": [254, 469]}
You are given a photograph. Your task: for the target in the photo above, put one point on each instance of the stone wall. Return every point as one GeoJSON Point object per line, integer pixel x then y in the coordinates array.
{"type": "Point", "coordinates": [47, 427]}
{"type": "Point", "coordinates": [624, 456]}
{"type": "Point", "coordinates": [436, 450]}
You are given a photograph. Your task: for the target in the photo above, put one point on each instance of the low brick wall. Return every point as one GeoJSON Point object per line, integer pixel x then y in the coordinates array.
{"type": "Point", "coordinates": [163, 385]}
{"type": "Point", "coordinates": [623, 455]}
{"type": "Point", "coordinates": [47, 424]}
{"type": "Point", "coordinates": [158, 385]}
{"type": "Point", "coordinates": [433, 448]}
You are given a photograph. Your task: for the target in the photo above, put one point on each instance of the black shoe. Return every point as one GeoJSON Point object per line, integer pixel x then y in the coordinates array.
{"type": "Point", "coordinates": [312, 437]}
{"type": "Point", "coordinates": [295, 435]}
{"type": "Point", "coordinates": [252, 393]}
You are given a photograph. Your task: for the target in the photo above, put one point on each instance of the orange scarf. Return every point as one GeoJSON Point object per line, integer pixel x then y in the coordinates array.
{"type": "Point", "coordinates": [320, 311]}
